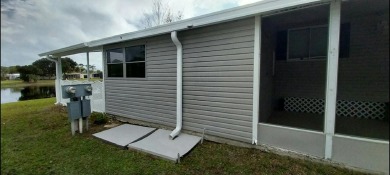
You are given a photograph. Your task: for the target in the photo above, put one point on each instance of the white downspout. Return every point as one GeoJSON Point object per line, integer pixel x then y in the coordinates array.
{"type": "Point", "coordinates": [179, 86]}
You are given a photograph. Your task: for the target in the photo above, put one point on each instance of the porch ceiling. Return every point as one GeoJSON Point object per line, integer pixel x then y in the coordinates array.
{"type": "Point", "coordinates": [320, 14]}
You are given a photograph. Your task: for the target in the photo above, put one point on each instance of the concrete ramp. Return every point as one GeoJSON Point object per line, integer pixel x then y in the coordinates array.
{"type": "Point", "coordinates": [159, 144]}
{"type": "Point", "coordinates": [124, 134]}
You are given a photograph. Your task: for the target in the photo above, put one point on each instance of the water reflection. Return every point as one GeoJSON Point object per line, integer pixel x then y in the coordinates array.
{"type": "Point", "coordinates": [26, 93]}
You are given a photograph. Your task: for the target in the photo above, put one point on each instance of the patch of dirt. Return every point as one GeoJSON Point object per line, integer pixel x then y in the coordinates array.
{"type": "Point", "coordinates": [111, 125]}
{"type": "Point", "coordinates": [58, 108]}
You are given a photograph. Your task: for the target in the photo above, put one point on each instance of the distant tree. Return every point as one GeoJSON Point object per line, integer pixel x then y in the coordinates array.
{"type": "Point", "coordinates": [161, 13]}
{"type": "Point", "coordinates": [91, 68]}
{"type": "Point", "coordinates": [68, 65]}
{"type": "Point", "coordinates": [4, 72]}
{"type": "Point", "coordinates": [29, 73]}
{"type": "Point", "coordinates": [81, 68]}
{"type": "Point", "coordinates": [13, 69]}
{"type": "Point", "coordinates": [48, 67]}
{"type": "Point", "coordinates": [100, 73]}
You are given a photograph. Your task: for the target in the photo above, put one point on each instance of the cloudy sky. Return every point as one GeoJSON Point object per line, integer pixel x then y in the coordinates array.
{"type": "Point", "coordinates": [30, 27]}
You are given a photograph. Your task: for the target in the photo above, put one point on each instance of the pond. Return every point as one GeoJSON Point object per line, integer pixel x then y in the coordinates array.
{"type": "Point", "coordinates": [26, 93]}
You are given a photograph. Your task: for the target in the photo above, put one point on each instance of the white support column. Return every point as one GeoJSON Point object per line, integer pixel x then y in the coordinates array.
{"type": "Point", "coordinates": [331, 78]}
{"type": "Point", "coordinates": [58, 80]}
{"type": "Point", "coordinates": [104, 80]}
{"type": "Point", "coordinates": [256, 78]}
{"type": "Point", "coordinates": [88, 76]}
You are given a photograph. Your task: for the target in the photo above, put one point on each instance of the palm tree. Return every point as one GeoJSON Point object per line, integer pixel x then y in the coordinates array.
{"type": "Point", "coordinates": [81, 67]}
{"type": "Point", "coordinates": [93, 67]}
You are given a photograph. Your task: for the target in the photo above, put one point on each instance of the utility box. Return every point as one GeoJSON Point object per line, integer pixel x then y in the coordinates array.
{"type": "Point", "coordinates": [74, 110]}
{"type": "Point", "coordinates": [79, 108]}
{"type": "Point", "coordinates": [86, 108]}
{"type": "Point", "coordinates": [80, 90]}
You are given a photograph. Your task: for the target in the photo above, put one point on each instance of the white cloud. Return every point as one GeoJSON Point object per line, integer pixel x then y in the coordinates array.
{"type": "Point", "coordinates": [29, 27]}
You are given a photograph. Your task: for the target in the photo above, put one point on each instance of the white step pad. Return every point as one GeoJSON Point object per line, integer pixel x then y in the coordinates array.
{"type": "Point", "coordinates": [124, 134]}
{"type": "Point", "coordinates": [159, 144]}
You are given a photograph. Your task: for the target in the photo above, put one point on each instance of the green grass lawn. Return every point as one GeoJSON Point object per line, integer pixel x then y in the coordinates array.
{"type": "Point", "coordinates": [36, 139]}
{"type": "Point", "coordinates": [20, 83]}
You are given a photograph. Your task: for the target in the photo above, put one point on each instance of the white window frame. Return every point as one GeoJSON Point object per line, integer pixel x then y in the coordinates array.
{"type": "Point", "coordinates": [123, 47]}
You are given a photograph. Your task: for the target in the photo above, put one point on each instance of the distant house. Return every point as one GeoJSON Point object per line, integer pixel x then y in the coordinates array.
{"type": "Point", "coordinates": [74, 76]}
{"type": "Point", "coordinates": [308, 76]}
{"type": "Point", "coordinates": [13, 76]}
{"type": "Point", "coordinates": [93, 75]}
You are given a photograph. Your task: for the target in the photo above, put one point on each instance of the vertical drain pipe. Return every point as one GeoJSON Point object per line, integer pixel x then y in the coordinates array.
{"type": "Point", "coordinates": [179, 86]}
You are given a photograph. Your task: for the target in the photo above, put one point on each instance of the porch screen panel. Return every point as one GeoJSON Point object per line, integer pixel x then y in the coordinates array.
{"type": "Point", "coordinates": [363, 74]}
{"type": "Point", "coordinates": [292, 90]}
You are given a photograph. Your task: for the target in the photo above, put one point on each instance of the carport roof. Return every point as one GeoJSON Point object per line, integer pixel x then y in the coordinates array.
{"type": "Point", "coordinates": [264, 7]}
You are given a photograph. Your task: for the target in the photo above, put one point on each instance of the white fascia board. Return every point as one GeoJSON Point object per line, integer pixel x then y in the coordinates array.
{"type": "Point", "coordinates": [75, 49]}
{"type": "Point", "coordinates": [209, 19]}
{"type": "Point", "coordinates": [65, 49]}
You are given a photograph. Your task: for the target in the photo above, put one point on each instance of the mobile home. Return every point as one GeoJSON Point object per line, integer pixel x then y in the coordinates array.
{"type": "Point", "coordinates": [309, 76]}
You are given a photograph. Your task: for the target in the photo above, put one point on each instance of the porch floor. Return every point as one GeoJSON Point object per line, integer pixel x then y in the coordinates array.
{"type": "Point", "coordinates": [344, 125]}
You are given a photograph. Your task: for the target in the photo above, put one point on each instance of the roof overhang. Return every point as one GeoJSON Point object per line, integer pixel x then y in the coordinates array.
{"type": "Point", "coordinates": [265, 7]}
{"type": "Point", "coordinates": [70, 50]}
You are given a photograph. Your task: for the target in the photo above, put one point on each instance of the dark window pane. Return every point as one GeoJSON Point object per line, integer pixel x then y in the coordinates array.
{"type": "Point", "coordinates": [281, 45]}
{"type": "Point", "coordinates": [298, 43]}
{"type": "Point", "coordinates": [115, 56]}
{"type": "Point", "coordinates": [135, 69]}
{"type": "Point", "coordinates": [135, 53]}
{"type": "Point", "coordinates": [319, 42]}
{"type": "Point", "coordinates": [345, 31]}
{"type": "Point", "coordinates": [115, 70]}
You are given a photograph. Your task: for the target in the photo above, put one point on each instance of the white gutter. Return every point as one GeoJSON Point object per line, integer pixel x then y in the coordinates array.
{"type": "Point", "coordinates": [179, 86]}
{"type": "Point", "coordinates": [265, 6]}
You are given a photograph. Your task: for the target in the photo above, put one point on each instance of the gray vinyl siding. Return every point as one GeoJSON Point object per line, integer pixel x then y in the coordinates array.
{"type": "Point", "coordinates": [151, 99]}
{"type": "Point", "coordinates": [217, 79]}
